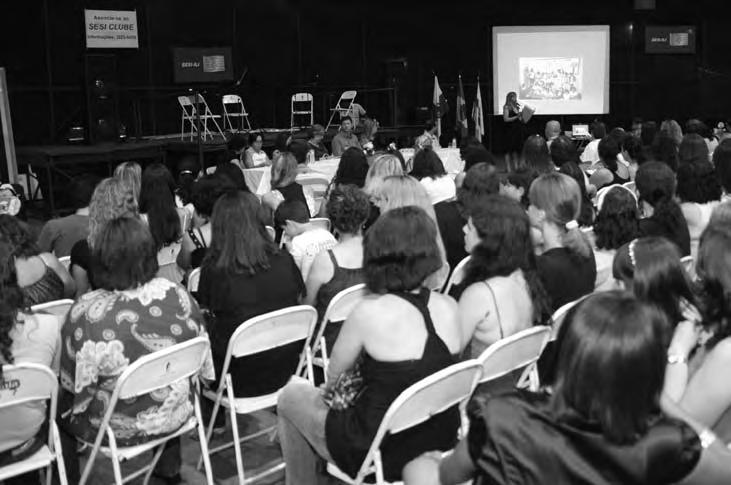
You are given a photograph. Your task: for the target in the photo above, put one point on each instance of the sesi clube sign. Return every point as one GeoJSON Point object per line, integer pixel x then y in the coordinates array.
{"type": "Point", "coordinates": [111, 29]}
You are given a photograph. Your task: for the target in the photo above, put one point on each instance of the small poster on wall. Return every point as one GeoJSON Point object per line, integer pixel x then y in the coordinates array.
{"type": "Point", "coordinates": [111, 29]}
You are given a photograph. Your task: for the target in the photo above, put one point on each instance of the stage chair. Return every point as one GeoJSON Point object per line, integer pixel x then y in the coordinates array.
{"type": "Point", "coordinates": [193, 279]}
{"type": "Point", "coordinates": [239, 112]}
{"type": "Point", "coordinates": [337, 311]}
{"type": "Point", "coordinates": [147, 374]}
{"type": "Point", "coordinates": [59, 308]}
{"type": "Point", "coordinates": [66, 262]}
{"type": "Point", "coordinates": [457, 275]}
{"type": "Point", "coordinates": [35, 383]}
{"type": "Point", "coordinates": [343, 107]}
{"type": "Point", "coordinates": [187, 105]}
{"type": "Point", "coordinates": [301, 105]}
{"type": "Point", "coordinates": [415, 405]}
{"type": "Point", "coordinates": [258, 334]}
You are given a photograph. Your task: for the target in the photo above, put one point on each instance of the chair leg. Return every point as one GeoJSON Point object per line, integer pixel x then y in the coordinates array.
{"type": "Point", "coordinates": [57, 450]}
{"type": "Point", "coordinates": [211, 424]}
{"type": "Point", "coordinates": [153, 463]}
{"type": "Point", "coordinates": [235, 430]}
{"type": "Point", "coordinates": [202, 439]}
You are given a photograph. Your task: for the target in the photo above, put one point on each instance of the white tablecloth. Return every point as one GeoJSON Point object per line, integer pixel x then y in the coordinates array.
{"type": "Point", "coordinates": [259, 179]}
{"type": "Point", "coordinates": [451, 159]}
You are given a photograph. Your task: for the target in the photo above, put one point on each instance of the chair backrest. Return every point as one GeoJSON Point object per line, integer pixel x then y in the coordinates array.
{"type": "Point", "coordinates": [631, 185]}
{"type": "Point", "coordinates": [316, 183]}
{"type": "Point", "coordinates": [24, 383]}
{"type": "Point", "coordinates": [689, 264]}
{"type": "Point", "coordinates": [347, 97]}
{"type": "Point", "coordinates": [231, 99]}
{"type": "Point", "coordinates": [322, 222]}
{"type": "Point", "coordinates": [301, 98]}
{"type": "Point", "coordinates": [193, 279]}
{"type": "Point", "coordinates": [185, 101]}
{"type": "Point", "coordinates": [65, 262]}
{"type": "Point", "coordinates": [560, 314]}
{"type": "Point", "coordinates": [457, 275]}
{"type": "Point", "coordinates": [272, 232]}
{"type": "Point", "coordinates": [60, 308]}
{"type": "Point", "coordinates": [344, 302]}
{"type": "Point", "coordinates": [514, 352]}
{"type": "Point", "coordinates": [162, 368]}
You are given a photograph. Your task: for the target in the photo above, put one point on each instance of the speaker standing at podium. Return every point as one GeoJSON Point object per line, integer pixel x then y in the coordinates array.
{"type": "Point", "coordinates": [515, 129]}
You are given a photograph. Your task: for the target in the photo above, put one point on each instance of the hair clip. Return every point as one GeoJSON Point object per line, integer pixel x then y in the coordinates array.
{"type": "Point", "coordinates": [571, 225]}
{"type": "Point", "coordinates": [632, 258]}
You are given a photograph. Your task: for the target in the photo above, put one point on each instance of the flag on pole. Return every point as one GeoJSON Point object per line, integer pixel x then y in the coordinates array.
{"type": "Point", "coordinates": [461, 124]}
{"type": "Point", "coordinates": [477, 114]}
{"type": "Point", "coordinates": [440, 105]}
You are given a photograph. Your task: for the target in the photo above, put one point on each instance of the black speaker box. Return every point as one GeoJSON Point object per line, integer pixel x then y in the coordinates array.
{"type": "Point", "coordinates": [102, 97]}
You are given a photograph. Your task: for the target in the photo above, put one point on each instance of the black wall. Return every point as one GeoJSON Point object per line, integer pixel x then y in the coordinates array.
{"type": "Point", "coordinates": [325, 46]}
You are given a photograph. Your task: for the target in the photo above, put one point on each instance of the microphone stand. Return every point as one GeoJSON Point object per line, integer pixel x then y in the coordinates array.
{"type": "Point", "coordinates": [198, 129]}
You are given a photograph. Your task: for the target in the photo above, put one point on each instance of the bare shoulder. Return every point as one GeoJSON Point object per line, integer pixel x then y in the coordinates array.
{"type": "Point", "coordinates": [720, 355]}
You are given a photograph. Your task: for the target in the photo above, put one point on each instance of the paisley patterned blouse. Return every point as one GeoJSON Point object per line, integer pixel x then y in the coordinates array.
{"type": "Point", "coordinates": [104, 333]}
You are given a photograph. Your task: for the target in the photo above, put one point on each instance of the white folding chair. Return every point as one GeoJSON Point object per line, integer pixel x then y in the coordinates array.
{"type": "Point", "coordinates": [65, 262]}
{"type": "Point", "coordinates": [188, 107]}
{"type": "Point", "coordinates": [272, 232]}
{"type": "Point", "coordinates": [457, 275]}
{"type": "Point", "coordinates": [301, 105]}
{"type": "Point", "coordinates": [343, 107]}
{"type": "Point", "coordinates": [560, 314]}
{"type": "Point", "coordinates": [145, 375]}
{"type": "Point", "coordinates": [631, 186]}
{"type": "Point", "coordinates": [317, 183]}
{"type": "Point", "coordinates": [518, 351]}
{"type": "Point", "coordinates": [258, 334]}
{"type": "Point", "coordinates": [689, 265]}
{"type": "Point", "coordinates": [59, 308]}
{"type": "Point", "coordinates": [430, 396]}
{"type": "Point", "coordinates": [24, 384]}
{"type": "Point", "coordinates": [337, 311]}
{"type": "Point", "coordinates": [239, 112]}
{"type": "Point", "coordinates": [322, 222]}
{"type": "Point", "coordinates": [193, 279]}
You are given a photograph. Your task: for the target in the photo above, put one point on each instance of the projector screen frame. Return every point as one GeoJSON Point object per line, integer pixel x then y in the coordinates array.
{"type": "Point", "coordinates": [499, 96]}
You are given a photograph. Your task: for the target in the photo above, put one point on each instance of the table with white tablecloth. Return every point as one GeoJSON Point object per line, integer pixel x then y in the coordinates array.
{"type": "Point", "coordinates": [453, 163]}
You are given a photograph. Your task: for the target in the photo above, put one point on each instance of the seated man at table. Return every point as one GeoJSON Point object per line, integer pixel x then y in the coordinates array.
{"type": "Point", "coordinates": [345, 138]}
{"type": "Point", "coordinates": [428, 138]}
{"type": "Point", "coordinates": [553, 130]}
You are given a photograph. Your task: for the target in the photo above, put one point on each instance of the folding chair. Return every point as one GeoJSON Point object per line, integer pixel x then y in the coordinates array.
{"type": "Point", "coordinates": [689, 264]}
{"type": "Point", "coordinates": [59, 308]}
{"type": "Point", "coordinates": [317, 183]}
{"type": "Point", "coordinates": [322, 222]}
{"type": "Point", "coordinates": [272, 232]}
{"type": "Point", "coordinates": [239, 112]}
{"type": "Point", "coordinates": [147, 374]}
{"type": "Point", "coordinates": [457, 275]}
{"type": "Point", "coordinates": [631, 186]}
{"type": "Point", "coordinates": [26, 383]}
{"type": "Point", "coordinates": [518, 351]}
{"type": "Point", "coordinates": [193, 279]}
{"type": "Point", "coordinates": [258, 334]}
{"type": "Point", "coordinates": [66, 262]}
{"type": "Point", "coordinates": [343, 107]}
{"type": "Point", "coordinates": [301, 105]}
{"type": "Point", "coordinates": [337, 311]}
{"type": "Point", "coordinates": [415, 405]}
{"type": "Point", "coordinates": [560, 314]}
{"type": "Point", "coordinates": [187, 105]}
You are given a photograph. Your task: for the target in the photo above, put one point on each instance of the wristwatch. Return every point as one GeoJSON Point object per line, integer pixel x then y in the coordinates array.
{"type": "Point", "coordinates": [676, 358]}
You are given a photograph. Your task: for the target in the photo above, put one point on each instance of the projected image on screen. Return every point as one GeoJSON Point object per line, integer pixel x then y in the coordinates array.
{"type": "Point", "coordinates": [550, 78]}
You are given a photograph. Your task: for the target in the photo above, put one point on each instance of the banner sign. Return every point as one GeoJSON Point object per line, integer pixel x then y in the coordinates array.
{"type": "Point", "coordinates": [202, 64]}
{"type": "Point", "coordinates": [111, 29]}
{"type": "Point", "coordinates": [669, 40]}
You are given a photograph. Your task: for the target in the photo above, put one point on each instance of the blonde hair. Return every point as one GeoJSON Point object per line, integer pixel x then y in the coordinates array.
{"type": "Point", "coordinates": [113, 198]}
{"type": "Point", "coordinates": [131, 174]}
{"type": "Point", "coordinates": [673, 129]}
{"type": "Point", "coordinates": [284, 170]}
{"type": "Point", "coordinates": [559, 196]}
{"type": "Point", "coordinates": [383, 166]}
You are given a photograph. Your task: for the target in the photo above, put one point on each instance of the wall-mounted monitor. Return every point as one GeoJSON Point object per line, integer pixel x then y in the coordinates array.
{"type": "Point", "coordinates": [662, 39]}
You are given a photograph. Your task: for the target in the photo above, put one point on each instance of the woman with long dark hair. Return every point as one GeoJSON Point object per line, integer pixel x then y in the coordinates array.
{"type": "Point", "coordinates": [503, 294]}
{"type": "Point", "coordinates": [536, 156]}
{"type": "Point", "coordinates": [428, 169]}
{"type": "Point", "coordinates": [699, 193]}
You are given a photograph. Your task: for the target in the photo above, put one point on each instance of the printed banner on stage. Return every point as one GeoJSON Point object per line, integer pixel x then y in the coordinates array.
{"type": "Point", "coordinates": [111, 29]}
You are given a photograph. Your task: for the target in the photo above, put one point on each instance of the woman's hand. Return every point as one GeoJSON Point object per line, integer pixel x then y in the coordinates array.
{"type": "Point", "coordinates": [688, 331]}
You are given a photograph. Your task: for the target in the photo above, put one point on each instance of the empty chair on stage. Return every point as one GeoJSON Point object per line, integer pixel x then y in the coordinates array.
{"type": "Point", "coordinates": [233, 109]}
{"type": "Point", "coordinates": [188, 115]}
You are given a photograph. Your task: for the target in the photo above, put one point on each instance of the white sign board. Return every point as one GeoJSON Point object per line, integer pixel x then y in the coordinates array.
{"type": "Point", "coordinates": [111, 29]}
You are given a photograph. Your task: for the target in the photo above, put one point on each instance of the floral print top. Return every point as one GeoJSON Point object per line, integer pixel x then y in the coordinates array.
{"type": "Point", "coordinates": [105, 332]}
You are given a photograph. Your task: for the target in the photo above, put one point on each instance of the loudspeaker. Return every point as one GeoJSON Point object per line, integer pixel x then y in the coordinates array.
{"type": "Point", "coordinates": [102, 97]}
{"type": "Point", "coordinates": [396, 71]}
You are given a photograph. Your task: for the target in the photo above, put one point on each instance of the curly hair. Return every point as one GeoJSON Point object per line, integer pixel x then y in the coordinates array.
{"type": "Point", "coordinates": [697, 182]}
{"type": "Point", "coordinates": [348, 208]}
{"type": "Point", "coordinates": [11, 300]}
{"type": "Point", "coordinates": [16, 235]}
{"type": "Point", "coordinates": [617, 222]}
{"type": "Point", "coordinates": [112, 198]}
{"type": "Point", "coordinates": [506, 246]}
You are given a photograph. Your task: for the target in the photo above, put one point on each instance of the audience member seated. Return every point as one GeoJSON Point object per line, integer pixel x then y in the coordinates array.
{"type": "Point", "coordinates": [352, 169]}
{"type": "Point", "coordinates": [132, 314]}
{"type": "Point", "coordinates": [130, 173]}
{"type": "Point", "coordinates": [616, 224]}
{"type": "Point", "coordinates": [112, 198]}
{"type": "Point", "coordinates": [429, 170]}
{"type": "Point", "coordinates": [693, 149]}
{"type": "Point", "coordinates": [586, 215]}
{"type": "Point", "coordinates": [665, 149]}
{"type": "Point", "coordinates": [428, 138]}
{"type": "Point", "coordinates": [254, 156]}
{"type": "Point", "coordinates": [25, 338]}
{"type": "Point", "coordinates": [398, 336]}
{"type": "Point", "coordinates": [611, 171]}
{"type": "Point", "coordinates": [236, 148]}
{"type": "Point", "coordinates": [244, 275]}
{"type": "Point", "coordinates": [591, 150]}
{"type": "Point", "coordinates": [516, 186]}
{"type": "Point", "coordinates": [663, 217]}
{"type": "Point", "coordinates": [188, 172]}
{"type": "Point", "coordinates": [58, 236]}
{"type": "Point", "coordinates": [553, 130]}
{"type": "Point", "coordinates": [673, 129]}
{"type": "Point", "coordinates": [284, 187]}
{"type": "Point", "coordinates": [204, 194]}
{"type": "Point", "coordinates": [707, 396]}
{"type": "Point", "coordinates": [602, 423]}
{"type": "Point", "coordinates": [535, 156]}
{"type": "Point", "coordinates": [345, 137]}
{"type": "Point", "coordinates": [566, 266]}
{"type": "Point", "coordinates": [699, 193]}
{"type": "Point", "coordinates": [166, 221]}
{"type": "Point", "coordinates": [315, 143]}
{"type": "Point", "coordinates": [503, 293]}
{"type": "Point", "coordinates": [633, 154]}
{"type": "Point", "coordinates": [41, 276]}
{"type": "Point", "coordinates": [234, 174]}
{"type": "Point", "coordinates": [722, 165]}
{"type": "Point", "coordinates": [342, 266]}
{"type": "Point", "coordinates": [383, 166]}
{"type": "Point", "coordinates": [648, 133]}
{"type": "Point", "coordinates": [304, 240]}
{"type": "Point", "coordinates": [472, 156]}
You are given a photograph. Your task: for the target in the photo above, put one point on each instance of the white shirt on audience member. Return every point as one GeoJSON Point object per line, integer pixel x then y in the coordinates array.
{"type": "Point", "coordinates": [591, 152]}
{"type": "Point", "coordinates": [439, 189]}
{"type": "Point", "coordinates": [304, 247]}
